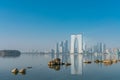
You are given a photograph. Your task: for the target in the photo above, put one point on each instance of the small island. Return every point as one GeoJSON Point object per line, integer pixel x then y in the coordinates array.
{"type": "Point", "coordinates": [9, 53]}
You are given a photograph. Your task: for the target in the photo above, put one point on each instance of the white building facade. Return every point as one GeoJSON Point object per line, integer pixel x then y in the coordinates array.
{"type": "Point", "coordinates": [76, 40]}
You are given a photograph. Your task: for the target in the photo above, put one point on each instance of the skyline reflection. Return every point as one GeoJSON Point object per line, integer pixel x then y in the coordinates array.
{"type": "Point", "coordinates": [79, 61]}
{"type": "Point", "coordinates": [76, 64]}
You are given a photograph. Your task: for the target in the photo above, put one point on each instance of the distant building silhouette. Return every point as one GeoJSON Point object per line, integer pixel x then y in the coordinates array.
{"type": "Point", "coordinates": [57, 48]}
{"type": "Point", "coordinates": [62, 47]}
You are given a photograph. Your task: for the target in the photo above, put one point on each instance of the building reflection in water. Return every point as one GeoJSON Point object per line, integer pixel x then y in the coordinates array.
{"type": "Point", "coordinates": [76, 64]}
{"type": "Point", "coordinates": [77, 60]}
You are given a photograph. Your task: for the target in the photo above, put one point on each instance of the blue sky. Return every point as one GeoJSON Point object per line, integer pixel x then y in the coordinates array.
{"type": "Point", "coordinates": [39, 24]}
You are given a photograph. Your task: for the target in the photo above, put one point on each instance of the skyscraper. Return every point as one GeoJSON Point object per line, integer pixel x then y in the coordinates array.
{"type": "Point", "coordinates": [76, 44]}
{"type": "Point", "coordinates": [101, 48]}
{"type": "Point", "coordinates": [61, 47]}
{"type": "Point", "coordinates": [65, 46]}
{"type": "Point", "coordinates": [57, 48]}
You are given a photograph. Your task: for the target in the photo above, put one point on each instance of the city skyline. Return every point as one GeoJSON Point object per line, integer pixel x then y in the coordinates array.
{"type": "Point", "coordinates": [77, 45]}
{"type": "Point", "coordinates": [31, 24]}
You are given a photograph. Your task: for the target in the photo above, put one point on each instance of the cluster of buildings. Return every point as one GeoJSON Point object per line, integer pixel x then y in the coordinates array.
{"type": "Point", "coordinates": [62, 47]}
{"type": "Point", "coordinates": [98, 48]}
{"type": "Point", "coordinates": [77, 46]}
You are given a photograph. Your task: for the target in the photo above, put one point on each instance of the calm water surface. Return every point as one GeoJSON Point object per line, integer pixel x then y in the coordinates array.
{"type": "Point", "coordinates": [40, 70]}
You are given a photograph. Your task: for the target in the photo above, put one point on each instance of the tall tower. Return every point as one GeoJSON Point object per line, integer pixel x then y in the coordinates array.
{"type": "Point", "coordinates": [76, 40]}
{"type": "Point", "coordinates": [66, 46]}
{"type": "Point", "coordinates": [57, 48]}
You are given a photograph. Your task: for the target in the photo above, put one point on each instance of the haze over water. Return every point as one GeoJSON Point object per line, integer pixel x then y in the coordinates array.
{"type": "Point", "coordinates": [76, 71]}
{"type": "Point", "coordinates": [37, 25]}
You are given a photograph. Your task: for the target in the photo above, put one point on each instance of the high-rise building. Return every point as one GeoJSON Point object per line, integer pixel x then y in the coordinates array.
{"type": "Point", "coordinates": [62, 47]}
{"type": "Point", "coordinates": [100, 48]}
{"type": "Point", "coordinates": [57, 48]}
{"type": "Point", "coordinates": [103, 48]}
{"type": "Point", "coordinates": [65, 50]}
{"type": "Point", "coordinates": [52, 53]}
{"type": "Point", "coordinates": [76, 44]}
{"type": "Point", "coordinates": [84, 46]}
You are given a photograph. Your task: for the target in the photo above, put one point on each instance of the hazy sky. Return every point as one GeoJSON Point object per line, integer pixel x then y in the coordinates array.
{"type": "Point", "coordinates": [39, 24]}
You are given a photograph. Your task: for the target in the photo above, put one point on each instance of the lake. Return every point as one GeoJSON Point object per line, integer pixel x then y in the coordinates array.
{"type": "Point", "coordinates": [76, 71]}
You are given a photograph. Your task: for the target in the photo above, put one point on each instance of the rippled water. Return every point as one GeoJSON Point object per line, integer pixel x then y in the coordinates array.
{"type": "Point", "coordinates": [41, 71]}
